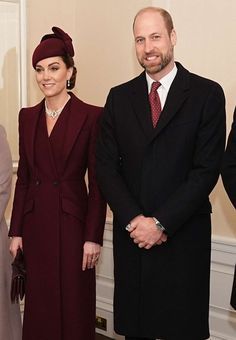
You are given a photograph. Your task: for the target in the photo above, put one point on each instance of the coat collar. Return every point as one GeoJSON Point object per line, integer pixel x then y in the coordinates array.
{"type": "Point", "coordinates": [177, 95]}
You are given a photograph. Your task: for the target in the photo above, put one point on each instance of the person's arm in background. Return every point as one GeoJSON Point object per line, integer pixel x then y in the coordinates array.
{"type": "Point", "coordinates": [229, 164]}
{"type": "Point", "coordinates": [20, 194]}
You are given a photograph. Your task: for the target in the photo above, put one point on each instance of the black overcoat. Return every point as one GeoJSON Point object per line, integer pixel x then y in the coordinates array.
{"type": "Point", "coordinates": [167, 172]}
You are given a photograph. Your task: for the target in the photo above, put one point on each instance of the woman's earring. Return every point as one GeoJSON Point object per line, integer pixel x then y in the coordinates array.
{"type": "Point", "coordinates": [68, 83]}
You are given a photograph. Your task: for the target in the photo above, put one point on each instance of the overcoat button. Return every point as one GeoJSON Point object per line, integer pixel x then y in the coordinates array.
{"type": "Point", "coordinates": [55, 183]}
{"type": "Point", "coordinates": [37, 182]}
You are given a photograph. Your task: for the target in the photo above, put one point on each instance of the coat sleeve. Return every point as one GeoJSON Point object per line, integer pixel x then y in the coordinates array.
{"type": "Point", "coordinates": [229, 164]}
{"type": "Point", "coordinates": [96, 213]}
{"type": "Point", "coordinates": [188, 198]}
{"type": "Point", "coordinates": [111, 182]}
{"type": "Point", "coordinates": [22, 184]}
{"type": "Point", "coordinates": [5, 172]}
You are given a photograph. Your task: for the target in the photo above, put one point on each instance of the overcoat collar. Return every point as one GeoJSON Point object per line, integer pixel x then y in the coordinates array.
{"type": "Point", "coordinates": [77, 118]}
{"type": "Point", "coordinates": [176, 96]}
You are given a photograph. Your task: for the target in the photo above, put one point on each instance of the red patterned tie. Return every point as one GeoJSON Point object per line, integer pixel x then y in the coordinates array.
{"type": "Point", "coordinates": [155, 103]}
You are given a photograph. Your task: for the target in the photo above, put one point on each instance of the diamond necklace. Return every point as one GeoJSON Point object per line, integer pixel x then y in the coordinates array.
{"type": "Point", "coordinates": [54, 113]}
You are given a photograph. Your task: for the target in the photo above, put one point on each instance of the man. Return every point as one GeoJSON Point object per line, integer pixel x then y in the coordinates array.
{"type": "Point", "coordinates": [157, 176]}
{"type": "Point", "coordinates": [229, 181]}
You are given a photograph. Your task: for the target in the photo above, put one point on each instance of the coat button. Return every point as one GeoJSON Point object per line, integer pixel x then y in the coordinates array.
{"type": "Point", "coordinates": [37, 182]}
{"type": "Point", "coordinates": [55, 183]}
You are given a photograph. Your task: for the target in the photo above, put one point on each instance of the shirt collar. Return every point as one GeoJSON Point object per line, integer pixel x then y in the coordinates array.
{"type": "Point", "coordinates": [166, 81]}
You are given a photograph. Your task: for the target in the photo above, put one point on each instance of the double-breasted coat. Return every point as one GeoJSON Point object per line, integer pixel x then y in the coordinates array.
{"type": "Point", "coordinates": [168, 173]}
{"type": "Point", "coordinates": [10, 320]}
{"type": "Point", "coordinates": [55, 214]}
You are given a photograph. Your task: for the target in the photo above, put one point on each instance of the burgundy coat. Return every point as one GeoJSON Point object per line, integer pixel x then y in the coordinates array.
{"type": "Point", "coordinates": [55, 214]}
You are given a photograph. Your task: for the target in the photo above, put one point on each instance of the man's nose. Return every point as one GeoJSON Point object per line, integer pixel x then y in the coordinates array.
{"type": "Point", "coordinates": [148, 46]}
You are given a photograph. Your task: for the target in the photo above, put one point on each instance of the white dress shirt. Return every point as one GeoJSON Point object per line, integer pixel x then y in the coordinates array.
{"type": "Point", "coordinates": [166, 82]}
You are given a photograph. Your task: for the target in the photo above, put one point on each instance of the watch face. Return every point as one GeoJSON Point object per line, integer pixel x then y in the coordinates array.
{"type": "Point", "coordinates": [158, 224]}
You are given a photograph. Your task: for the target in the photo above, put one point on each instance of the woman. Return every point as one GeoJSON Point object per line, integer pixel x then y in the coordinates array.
{"type": "Point", "coordinates": [10, 321]}
{"type": "Point", "coordinates": [57, 223]}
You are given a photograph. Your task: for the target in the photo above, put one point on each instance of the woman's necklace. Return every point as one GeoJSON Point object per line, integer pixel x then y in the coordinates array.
{"type": "Point", "coordinates": [54, 113]}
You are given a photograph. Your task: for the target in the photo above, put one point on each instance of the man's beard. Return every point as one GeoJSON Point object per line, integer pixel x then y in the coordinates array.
{"type": "Point", "coordinates": [165, 60]}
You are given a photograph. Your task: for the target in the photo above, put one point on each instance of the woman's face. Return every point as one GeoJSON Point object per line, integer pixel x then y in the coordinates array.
{"type": "Point", "coordinates": [52, 75]}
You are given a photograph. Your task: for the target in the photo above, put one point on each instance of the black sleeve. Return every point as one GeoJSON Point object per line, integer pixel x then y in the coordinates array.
{"type": "Point", "coordinates": [229, 164]}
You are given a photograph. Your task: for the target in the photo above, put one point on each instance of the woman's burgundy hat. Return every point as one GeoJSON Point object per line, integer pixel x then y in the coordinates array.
{"type": "Point", "coordinates": [56, 44]}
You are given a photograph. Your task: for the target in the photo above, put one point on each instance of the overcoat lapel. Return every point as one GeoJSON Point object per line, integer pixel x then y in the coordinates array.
{"type": "Point", "coordinates": [177, 95]}
{"type": "Point", "coordinates": [32, 122]}
{"type": "Point", "coordinates": [77, 118]}
{"type": "Point", "coordinates": [139, 97]}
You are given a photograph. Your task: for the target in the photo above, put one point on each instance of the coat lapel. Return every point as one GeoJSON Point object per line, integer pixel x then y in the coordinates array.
{"type": "Point", "coordinates": [139, 98]}
{"type": "Point", "coordinates": [178, 93]}
{"type": "Point", "coordinates": [77, 118]}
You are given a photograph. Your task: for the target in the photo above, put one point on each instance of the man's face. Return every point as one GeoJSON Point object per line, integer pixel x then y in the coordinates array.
{"type": "Point", "coordinates": [154, 45]}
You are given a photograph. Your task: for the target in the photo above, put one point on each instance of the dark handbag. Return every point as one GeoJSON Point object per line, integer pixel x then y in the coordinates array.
{"type": "Point", "coordinates": [233, 293]}
{"type": "Point", "coordinates": [18, 277]}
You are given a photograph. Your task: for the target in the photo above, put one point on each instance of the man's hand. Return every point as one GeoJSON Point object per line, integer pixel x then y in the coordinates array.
{"type": "Point", "coordinates": [144, 232]}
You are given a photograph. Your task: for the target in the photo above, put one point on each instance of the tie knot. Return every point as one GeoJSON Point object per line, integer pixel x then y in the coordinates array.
{"type": "Point", "coordinates": [155, 86]}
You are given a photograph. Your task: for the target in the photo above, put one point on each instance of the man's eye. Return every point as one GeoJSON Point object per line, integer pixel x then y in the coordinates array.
{"type": "Point", "coordinates": [139, 40]}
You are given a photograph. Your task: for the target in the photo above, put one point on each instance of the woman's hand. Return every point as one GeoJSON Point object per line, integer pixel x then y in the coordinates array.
{"type": "Point", "coordinates": [91, 255]}
{"type": "Point", "coordinates": [16, 242]}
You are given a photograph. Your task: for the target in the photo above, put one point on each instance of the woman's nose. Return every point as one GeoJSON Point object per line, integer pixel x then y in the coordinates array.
{"type": "Point", "coordinates": [46, 74]}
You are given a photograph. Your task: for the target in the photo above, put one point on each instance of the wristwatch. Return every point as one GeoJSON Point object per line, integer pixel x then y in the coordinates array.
{"type": "Point", "coordinates": [158, 224]}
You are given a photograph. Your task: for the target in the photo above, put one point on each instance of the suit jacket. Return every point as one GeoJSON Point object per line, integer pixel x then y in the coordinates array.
{"type": "Point", "coordinates": [10, 320]}
{"type": "Point", "coordinates": [56, 213]}
{"type": "Point", "coordinates": [167, 172]}
{"type": "Point", "coordinates": [229, 164]}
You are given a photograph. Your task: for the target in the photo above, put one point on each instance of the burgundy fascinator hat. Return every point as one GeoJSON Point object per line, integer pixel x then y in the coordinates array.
{"type": "Point", "coordinates": [58, 43]}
